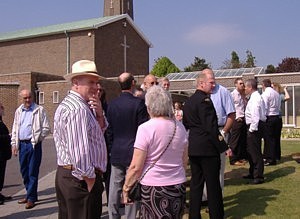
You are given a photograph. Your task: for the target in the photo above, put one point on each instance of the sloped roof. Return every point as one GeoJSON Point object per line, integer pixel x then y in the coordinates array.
{"type": "Point", "coordinates": [93, 23]}
{"type": "Point", "coordinates": [218, 73]}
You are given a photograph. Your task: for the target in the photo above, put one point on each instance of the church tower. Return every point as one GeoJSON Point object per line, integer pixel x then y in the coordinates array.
{"type": "Point", "coordinates": [117, 7]}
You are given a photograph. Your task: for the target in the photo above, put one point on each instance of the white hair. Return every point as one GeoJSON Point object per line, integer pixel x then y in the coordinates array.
{"type": "Point", "coordinates": [158, 101]}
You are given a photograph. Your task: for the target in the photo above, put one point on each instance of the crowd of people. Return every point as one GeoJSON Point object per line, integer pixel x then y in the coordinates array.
{"type": "Point", "coordinates": [143, 136]}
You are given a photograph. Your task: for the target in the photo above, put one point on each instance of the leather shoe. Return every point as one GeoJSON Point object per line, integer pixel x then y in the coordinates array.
{"type": "Point", "coordinates": [22, 201]}
{"type": "Point", "coordinates": [256, 181]}
{"type": "Point", "coordinates": [5, 198]}
{"type": "Point", "coordinates": [248, 176]}
{"type": "Point", "coordinates": [29, 205]}
{"type": "Point", "coordinates": [239, 163]}
{"type": "Point", "coordinates": [270, 163]}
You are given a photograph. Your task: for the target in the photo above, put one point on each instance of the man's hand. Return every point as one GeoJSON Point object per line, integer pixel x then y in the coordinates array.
{"type": "Point", "coordinates": [14, 151]}
{"type": "Point", "coordinates": [228, 152]}
{"type": "Point", "coordinates": [90, 183]}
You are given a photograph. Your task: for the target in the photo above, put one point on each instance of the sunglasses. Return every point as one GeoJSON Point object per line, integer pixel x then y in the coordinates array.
{"type": "Point", "coordinates": [153, 82]}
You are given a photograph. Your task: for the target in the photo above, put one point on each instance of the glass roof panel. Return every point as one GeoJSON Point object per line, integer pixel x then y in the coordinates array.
{"type": "Point", "coordinates": [218, 73]}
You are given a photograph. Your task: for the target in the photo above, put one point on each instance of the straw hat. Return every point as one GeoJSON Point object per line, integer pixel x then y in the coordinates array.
{"type": "Point", "coordinates": [83, 68]}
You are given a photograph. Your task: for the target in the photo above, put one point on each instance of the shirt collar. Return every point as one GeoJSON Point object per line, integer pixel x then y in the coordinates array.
{"type": "Point", "coordinates": [29, 109]}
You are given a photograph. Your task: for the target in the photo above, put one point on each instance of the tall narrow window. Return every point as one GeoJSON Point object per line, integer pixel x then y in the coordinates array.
{"type": "Point", "coordinates": [41, 97]}
{"type": "Point", "coordinates": [55, 97]}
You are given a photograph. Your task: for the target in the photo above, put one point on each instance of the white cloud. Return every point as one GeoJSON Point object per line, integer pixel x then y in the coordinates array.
{"type": "Point", "coordinates": [214, 34]}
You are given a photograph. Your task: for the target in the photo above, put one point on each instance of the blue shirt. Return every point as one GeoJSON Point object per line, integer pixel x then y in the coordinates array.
{"type": "Point", "coordinates": [25, 131]}
{"type": "Point", "coordinates": [223, 103]}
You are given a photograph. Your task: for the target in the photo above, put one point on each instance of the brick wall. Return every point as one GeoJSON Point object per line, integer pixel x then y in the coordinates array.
{"type": "Point", "coordinates": [49, 54]}
{"type": "Point", "coordinates": [109, 54]}
{"type": "Point", "coordinates": [112, 90]}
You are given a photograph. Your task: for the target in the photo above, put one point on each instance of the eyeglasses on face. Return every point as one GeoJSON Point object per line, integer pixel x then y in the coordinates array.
{"type": "Point", "coordinates": [154, 82]}
{"type": "Point", "coordinates": [25, 98]}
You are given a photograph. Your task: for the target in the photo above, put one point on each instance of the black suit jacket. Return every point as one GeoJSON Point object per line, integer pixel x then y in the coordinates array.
{"type": "Point", "coordinates": [5, 147]}
{"type": "Point", "coordinates": [199, 117]}
{"type": "Point", "coordinates": [124, 115]}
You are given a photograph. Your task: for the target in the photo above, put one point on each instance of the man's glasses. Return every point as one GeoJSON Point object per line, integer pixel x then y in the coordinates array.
{"type": "Point", "coordinates": [154, 83]}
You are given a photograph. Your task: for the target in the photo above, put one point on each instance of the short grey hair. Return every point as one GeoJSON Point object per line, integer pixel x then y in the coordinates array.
{"type": "Point", "coordinates": [158, 102]}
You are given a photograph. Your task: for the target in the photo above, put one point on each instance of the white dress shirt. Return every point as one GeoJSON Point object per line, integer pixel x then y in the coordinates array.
{"type": "Point", "coordinates": [255, 111]}
{"type": "Point", "coordinates": [272, 103]}
{"type": "Point", "coordinates": [239, 104]}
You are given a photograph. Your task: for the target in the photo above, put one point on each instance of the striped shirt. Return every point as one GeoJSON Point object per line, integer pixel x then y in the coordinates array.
{"type": "Point", "coordinates": [78, 137]}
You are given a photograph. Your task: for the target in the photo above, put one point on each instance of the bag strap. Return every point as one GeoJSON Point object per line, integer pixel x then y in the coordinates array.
{"type": "Point", "coordinates": [152, 165]}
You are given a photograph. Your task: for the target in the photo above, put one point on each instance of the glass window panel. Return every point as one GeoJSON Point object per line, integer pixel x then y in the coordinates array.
{"type": "Point", "coordinates": [218, 74]}
{"type": "Point", "coordinates": [192, 75]}
{"type": "Point", "coordinates": [176, 76]}
{"type": "Point", "coordinates": [297, 104]}
{"type": "Point", "coordinates": [184, 75]}
{"type": "Point", "coordinates": [289, 112]}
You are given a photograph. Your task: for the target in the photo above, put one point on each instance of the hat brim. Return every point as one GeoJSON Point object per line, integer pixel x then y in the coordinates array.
{"type": "Point", "coordinates": [69, 76]}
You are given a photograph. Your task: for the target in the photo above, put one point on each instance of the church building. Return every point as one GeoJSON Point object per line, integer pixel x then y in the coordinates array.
{"type": "Point", "coordinates": [38, 58]}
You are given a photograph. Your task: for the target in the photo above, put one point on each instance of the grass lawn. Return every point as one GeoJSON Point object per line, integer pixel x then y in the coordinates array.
{"type": "Point", "coordinates": [278, 197]}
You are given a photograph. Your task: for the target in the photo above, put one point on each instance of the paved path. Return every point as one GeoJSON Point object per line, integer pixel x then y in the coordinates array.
{"type": "Point", "coordinates": [46, 207]}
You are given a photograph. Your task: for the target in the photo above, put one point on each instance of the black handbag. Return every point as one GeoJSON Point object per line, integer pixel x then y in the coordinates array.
{"type": "Point", "coordinates": [134, 194]}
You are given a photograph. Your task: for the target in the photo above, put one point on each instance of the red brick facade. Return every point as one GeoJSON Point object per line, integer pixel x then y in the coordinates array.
{"type": "Point", "coordinates": [53, 55]}
{"type": "Point", "coordinates": [49, 54]}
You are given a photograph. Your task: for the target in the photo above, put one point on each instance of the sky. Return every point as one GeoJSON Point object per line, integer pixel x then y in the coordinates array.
{"type": "Point", "coordinates": [183, 29]}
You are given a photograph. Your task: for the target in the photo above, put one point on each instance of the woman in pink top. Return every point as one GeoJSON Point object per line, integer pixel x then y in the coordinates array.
{"type": "Point", "coordinates": [163, 186]}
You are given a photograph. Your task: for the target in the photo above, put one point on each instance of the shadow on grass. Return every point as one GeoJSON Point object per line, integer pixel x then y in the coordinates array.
{"type": "Point", "coordinates": [281, 172]}
{"type": "Point", "coordinates": [286, 158]}
{"type": "Point", "coordinates": [234, 177]}
{"type": "Point", "coordinates": [249, 202]}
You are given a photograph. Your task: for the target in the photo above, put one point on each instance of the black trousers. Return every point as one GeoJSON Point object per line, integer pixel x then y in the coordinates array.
{"type": "Point", "coordinates": [74, 199]}
{"type": "Point", "coordinates": [278, 140]}
{"type": "Point", "coordinates": [238, 141]}
{"type": "Point", "coordinates": [206, 169]}
{"type": "Point", "coordinates": [254, 152]}
{"type": "Point", "coordinates": [272, 127]}
{"type": "Point", "coordinates": [2, 173]}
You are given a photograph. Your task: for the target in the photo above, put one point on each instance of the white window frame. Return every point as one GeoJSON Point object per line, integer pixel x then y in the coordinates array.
{"type": "Point", "coordinates": [41, 97]}
{"type": "Point", "coordinates": [55, 96]}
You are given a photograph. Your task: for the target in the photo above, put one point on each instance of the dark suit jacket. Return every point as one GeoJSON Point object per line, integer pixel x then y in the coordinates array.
{"type": "Point", "coordinates": [124, 115]}
{"type": "Point", "coordinates": [5, 147]}
{"type": "Point", "coordinates": [199, 117]}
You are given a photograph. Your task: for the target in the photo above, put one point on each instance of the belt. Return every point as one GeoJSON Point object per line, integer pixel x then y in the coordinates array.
{"type": "Point", "coordinates": [240, 119]}
{"type": "Point", "coordinates": [275, 116]}
{"type": "Point", "coordinates": [25, 141]}
{"type": "Point", "coordinates": [70, 167]}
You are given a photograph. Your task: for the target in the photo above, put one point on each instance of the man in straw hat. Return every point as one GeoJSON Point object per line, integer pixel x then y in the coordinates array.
{"type": "Point", "coordinates": [79, 124]}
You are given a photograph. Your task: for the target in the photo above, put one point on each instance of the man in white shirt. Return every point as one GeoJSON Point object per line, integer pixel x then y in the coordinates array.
{"type": "Point", "coordinates": [255, 117]}
{"type": "Point", "coordinates": [272, 125]}
{"type": "Point", "coordinates": [237, 141]}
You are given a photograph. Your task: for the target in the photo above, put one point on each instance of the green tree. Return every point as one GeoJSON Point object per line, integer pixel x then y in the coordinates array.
{"type": "Point", "coordinates": [235, 60]}
{"type": "Point", "coordinates": [289, 64]}
{"type": "Point", "coordinates": [270, 69]}
{"type": "Point", "coordinates": [164, 66]}
{"type": "Point", "coordinates": [198, 65]}
{"type": "Point", "coordinates": [250, 60]}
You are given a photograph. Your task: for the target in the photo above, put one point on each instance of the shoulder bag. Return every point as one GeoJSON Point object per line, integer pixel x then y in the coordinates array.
{"type": "Point", "coordinates": [134, 193]}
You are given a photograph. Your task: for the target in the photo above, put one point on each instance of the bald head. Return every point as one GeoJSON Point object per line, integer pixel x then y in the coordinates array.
{"type": "Point", "coordinates": [126, 81]}
{"type": "Point", "coordinates": [26, 97]}
{"type": "Point", "coordinates": [149, 81]}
